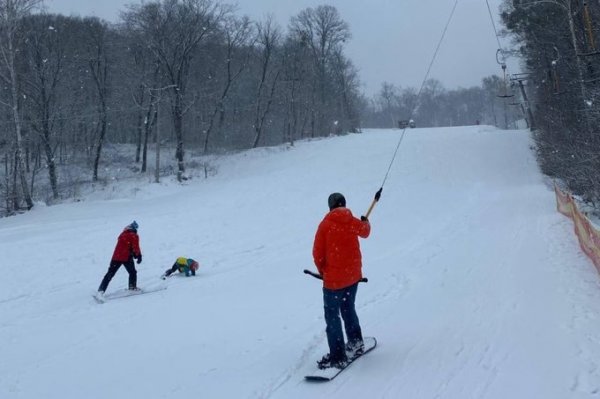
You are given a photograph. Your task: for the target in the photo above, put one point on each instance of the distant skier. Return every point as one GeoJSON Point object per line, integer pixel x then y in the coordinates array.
{"type": "Point", "coordinates": [336, 253]}
{"type": "Point", "coordinates": [127, 248]}
{"type": "Point", "coordinates": [183, 265]}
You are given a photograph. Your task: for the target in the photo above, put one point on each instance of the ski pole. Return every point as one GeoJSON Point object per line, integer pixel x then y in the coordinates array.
{"type": "Point", "coordinates": [375, 200]}
{"type": "Point", "coordinates": [317, 275]}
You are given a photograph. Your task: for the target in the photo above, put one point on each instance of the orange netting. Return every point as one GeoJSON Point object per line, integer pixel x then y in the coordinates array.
{"type": "Point", "coordinates": [589, 237]}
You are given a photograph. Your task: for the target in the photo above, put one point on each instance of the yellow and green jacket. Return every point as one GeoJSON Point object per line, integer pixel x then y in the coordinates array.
{"type": "Point", "coordinates": [185, 265]}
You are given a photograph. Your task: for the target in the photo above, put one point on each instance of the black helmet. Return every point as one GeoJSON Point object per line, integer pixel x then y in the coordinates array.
{"type": "Point", "coordinates": [336, 200]}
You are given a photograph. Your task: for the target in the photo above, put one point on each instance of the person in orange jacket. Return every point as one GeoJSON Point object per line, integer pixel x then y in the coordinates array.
{"type": "Point", "coordinates": [127, 248]}
{"type": "Point", "coordinates": [337, 256]}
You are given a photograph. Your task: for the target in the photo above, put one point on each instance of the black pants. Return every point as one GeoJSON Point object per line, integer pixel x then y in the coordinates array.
{"type": "Point", "coordinates": [112, 269]}
{"type": "Point", "coordinates": [172, 270]}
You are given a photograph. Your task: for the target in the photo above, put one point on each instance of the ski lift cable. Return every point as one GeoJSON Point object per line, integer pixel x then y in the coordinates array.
{"type": "Point", "coordinates": [433, 58]}
{"type": "Point", "coordinates": [494, 27]}
{"type": "Point", "coordinates": [502, 59]}
{"type": "Point", "coordinates": [497, 35]}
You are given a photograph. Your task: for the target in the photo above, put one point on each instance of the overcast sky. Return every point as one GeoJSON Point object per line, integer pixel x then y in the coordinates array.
{"type": "Point", "coordinates": [392, 40]}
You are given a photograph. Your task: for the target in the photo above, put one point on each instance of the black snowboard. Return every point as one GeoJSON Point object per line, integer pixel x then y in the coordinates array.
{"type": "Point", "coordinates": [330, 373]}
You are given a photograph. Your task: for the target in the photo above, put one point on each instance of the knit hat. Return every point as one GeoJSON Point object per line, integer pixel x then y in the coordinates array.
{"type": "Point", "coordinates": [133, 226]}
{"type": "Point", "coordinates": [336, 200]}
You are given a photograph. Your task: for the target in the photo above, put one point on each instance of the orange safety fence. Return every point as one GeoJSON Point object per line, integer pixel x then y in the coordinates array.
{"type": "Point", "coordinates": [589, 237]}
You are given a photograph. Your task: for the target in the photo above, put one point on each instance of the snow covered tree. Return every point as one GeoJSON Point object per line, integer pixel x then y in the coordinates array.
{"type": "Point", "coordinates": [11, 14]}
{"type": "Point", "coordinates": [557, 40]}
{"type": "Point", "coordinates": [269, 36]}
{"type": "Point", "coordinates": [323, 31]}
{"type": "Point", "coordinates": [236, 36]}
{"type": "Point", "coordinates": [44, 58]}
{"type": "Point", "coordinates": [98, 61]}
{"type": "Point", "coordinates": [173, 30]}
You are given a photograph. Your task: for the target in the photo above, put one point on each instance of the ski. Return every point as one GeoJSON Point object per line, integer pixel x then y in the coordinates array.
{"type": "Point", "coordinates": [328, 374]}
{"type": "Point", "coordinates": [124, 293]}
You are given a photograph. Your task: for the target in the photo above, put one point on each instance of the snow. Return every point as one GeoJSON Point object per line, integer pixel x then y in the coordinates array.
{"type": "Point", "coordinates": [477, 287]}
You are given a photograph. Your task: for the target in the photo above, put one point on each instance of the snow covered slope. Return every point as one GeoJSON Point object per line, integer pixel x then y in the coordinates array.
{"type": "Point", "coordinates": [477, 286]}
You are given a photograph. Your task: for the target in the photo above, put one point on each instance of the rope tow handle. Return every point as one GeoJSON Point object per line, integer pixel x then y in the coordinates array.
{"type": "Point", "coordinates": [375, 200]}
{"type": "Point", "coordinates": [318, 276]}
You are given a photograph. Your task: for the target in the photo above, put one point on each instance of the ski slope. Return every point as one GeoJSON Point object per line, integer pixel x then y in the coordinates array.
{"type": "Point", "coordinates": [477, 287]}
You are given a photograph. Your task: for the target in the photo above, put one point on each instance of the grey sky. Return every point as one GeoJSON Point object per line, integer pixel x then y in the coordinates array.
{"type": "Point", "coordinates": [392, 40]}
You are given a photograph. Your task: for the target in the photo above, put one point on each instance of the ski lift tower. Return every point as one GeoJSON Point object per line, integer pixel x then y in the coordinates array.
{"type": "Point", "coordinates": [520, 78]}
{"type": "Point", "coordinates": [505, 95]}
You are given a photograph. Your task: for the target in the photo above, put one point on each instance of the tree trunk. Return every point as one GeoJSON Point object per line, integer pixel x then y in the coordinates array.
{"type": "Point", "coordinates": [259, 119]}
{"type": "Point", "coordinates": [138, 136]}
{"type": "Point", "coordinates": [150, 120]}
{"type": "Point", "coordinates": [178, 126]}
{"type": "Point", "coordinates": [50, 162]}
{"type": "Point", "coordinates": [100, 141]}
{"type": "Point", "coordinates": [17, 120]}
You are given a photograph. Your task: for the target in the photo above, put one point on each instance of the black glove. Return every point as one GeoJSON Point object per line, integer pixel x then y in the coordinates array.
{"type": "Point", "coordinates": [364, 219]}
{"type": "Point", "coordinates": [139, 259]}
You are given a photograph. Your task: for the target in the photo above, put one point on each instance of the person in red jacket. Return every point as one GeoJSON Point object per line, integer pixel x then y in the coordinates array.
{"type": "Point", "coordinates": [336, 253]}
{"type": "Point", "coordinates": [128, 248]}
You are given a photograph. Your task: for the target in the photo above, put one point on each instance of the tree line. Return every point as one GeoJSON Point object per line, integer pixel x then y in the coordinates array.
{"type": "Point", "coordinates": [178, 74]}
{"type": "Point", "coordinates": [438, 106]}
{"type": "Point", "coordinates": [558, 43]}
{"type": "Point", "coordinates": [174, 77]}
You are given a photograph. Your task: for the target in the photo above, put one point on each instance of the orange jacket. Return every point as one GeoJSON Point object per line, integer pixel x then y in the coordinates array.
{"type": "Point", "coordinates": [336, 251]}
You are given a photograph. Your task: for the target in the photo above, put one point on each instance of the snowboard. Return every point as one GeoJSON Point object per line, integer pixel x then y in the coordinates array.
{"type": "Point", "coordinates": [328, 374]}
{"type": "Point", "coordinates": [124, 292]}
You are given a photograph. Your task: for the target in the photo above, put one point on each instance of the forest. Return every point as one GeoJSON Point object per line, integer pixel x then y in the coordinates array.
{"type": "Point", "coordinates": [557, 41]}
{"type": "Point", "coordinates": [438, 106]}
{"type": "Point", "coordinates": [176, 78]}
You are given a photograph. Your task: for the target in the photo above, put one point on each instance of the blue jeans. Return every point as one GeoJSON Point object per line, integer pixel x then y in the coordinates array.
{"type": "Point", "coordinates": [338, 302]}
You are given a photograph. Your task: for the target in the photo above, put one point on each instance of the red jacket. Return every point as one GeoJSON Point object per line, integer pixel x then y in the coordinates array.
{"type": "Point", "coordinates": [336, 251]}
{"type": "Point", "coordinates": [128, 246]}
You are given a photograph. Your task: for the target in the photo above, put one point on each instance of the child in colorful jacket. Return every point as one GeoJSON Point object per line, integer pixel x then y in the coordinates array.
{"type": "Point", "coordinates": [184, 265]}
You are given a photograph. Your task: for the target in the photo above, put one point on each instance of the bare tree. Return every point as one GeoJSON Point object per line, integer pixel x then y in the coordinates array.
{"type": "Point", "coordinates": [11, 13]}
{"type": "Point", "coordinates": [145, 80]}
{"type": "Point", "coordinates": [269, 36]}
{"type": "Point", "coordinates": [44, 56]}
{"type": "Point", "coordinates": [237, 37]}
{"type": "Point", "coordinates": [98, 66]}
{"type": "Point", "coordinates": [428, 104]}
{"type": "Point", "coordinates": [295, 82]}
{"type": "Point", "coordinates": [347, 91]}
{"type": "Point", "coordinates": [388, 100]}
{"type": "Point", "coordinates": [323, 30]}
{"type": "Point", "coordinates": [172, 30]}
